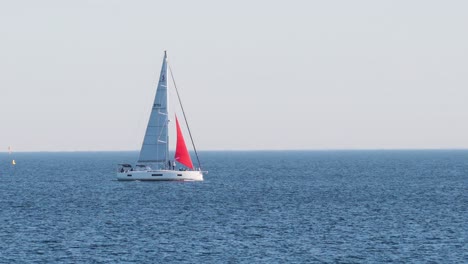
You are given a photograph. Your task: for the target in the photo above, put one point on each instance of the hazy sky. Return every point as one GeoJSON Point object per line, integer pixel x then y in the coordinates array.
{"type": "Point", "coordinates": [81, 75]}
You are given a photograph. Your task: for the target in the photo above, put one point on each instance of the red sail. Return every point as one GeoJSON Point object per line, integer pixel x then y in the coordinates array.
{"type": "Point", "coordinates": [182, 155]}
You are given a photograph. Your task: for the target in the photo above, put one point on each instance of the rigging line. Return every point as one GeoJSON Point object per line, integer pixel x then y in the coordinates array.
{"type": "Point", "coordinates": [185, 117]}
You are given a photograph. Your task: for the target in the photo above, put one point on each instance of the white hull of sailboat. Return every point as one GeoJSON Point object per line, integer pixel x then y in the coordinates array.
{"type": "Point", "coordinates": [160, 175]}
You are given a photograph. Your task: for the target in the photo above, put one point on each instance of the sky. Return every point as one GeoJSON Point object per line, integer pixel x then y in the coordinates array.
{"type": "Point", "coordinates": [253, 75]}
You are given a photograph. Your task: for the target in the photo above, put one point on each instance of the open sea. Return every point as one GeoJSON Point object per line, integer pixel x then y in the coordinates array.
{"type": "Point", "coordinates": [253, 207]}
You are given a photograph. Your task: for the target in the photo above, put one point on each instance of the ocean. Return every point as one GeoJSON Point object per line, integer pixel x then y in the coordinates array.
{"type": "Point", "coordinates": [253, 207]}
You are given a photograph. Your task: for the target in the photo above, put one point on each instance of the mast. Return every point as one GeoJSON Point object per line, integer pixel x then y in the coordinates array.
{"type": "Point", "coordinates": [167, 115]}
{"type": "Point", "coordinates": [185, 118]}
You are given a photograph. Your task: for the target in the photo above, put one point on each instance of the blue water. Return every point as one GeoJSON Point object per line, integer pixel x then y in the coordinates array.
{"type": "Point", "coordinates": [253, 207]}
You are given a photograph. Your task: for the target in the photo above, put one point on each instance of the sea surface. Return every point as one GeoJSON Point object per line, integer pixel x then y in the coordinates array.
{"type": "Point", "coordinates": [253, 207]}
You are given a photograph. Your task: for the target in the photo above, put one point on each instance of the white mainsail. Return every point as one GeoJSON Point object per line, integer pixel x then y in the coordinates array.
{"type": "Point", "coordinates": [155, 147]}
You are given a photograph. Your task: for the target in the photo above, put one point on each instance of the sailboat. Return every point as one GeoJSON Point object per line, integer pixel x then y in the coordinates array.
{"type": "Point", "coordinates": [154, 163]}
{"type": "Point", "coordinates": [13, 162]}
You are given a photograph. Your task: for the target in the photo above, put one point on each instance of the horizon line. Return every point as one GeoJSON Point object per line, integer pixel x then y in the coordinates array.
{"type": "Point", "coordinates": [248, 150]}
